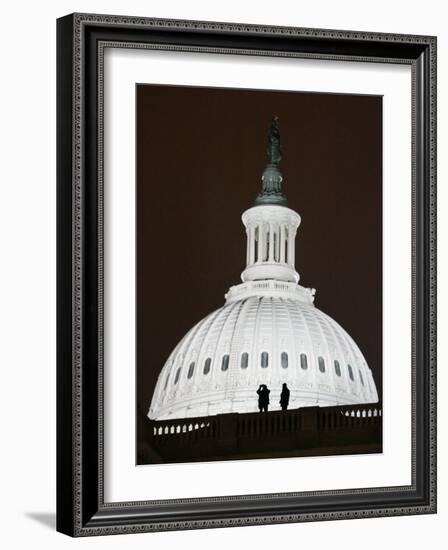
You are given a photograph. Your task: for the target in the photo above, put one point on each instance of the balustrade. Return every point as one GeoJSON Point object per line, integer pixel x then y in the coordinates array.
{"type": "Point", "coordinates": [269, 424]}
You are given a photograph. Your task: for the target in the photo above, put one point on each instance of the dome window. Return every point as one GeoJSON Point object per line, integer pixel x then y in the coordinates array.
{"type": "Point", "coordinates": [190, 370]}
{"type": "Point", "coordinates": [225, 362]}
{"type": "Point", "coordinates": [264, 359]}
{"type": "Point", "coordinates": [303, 361]}
{"type": "Point", "coordinates": [337, 368]}
{"type": "Point", "coordinates": [176, 378]}
{"type": "Point", "coordinates": [244, 360]}
{"type": "Point", "coordinates": [321, 363]}
{"type": "Point", "coordinates": [284, 360]}
{"type": "Point", "coordinates": [361, 378]}
{"type": "Point", "coordinates": [207, 365]}
{"type": "Point", "coordinates": [350, 372]}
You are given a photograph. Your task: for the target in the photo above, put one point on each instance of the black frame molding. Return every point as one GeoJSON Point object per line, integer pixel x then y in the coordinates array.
{"type": "Point", "coordinates": [81, 39]}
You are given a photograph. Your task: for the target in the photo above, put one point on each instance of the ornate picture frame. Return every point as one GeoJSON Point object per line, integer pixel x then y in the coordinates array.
{"type": "Point", "coordinates": [81, 506]}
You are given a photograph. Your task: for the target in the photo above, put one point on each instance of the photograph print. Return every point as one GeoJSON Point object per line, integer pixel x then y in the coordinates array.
{"type": "Point", "coordinates": [259, 274]}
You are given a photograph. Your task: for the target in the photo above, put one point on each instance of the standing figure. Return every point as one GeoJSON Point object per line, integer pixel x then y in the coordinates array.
{"type": "Point", "coordinates": [284, 397]}
{"type": "Point", "coordinates": [263, 398]}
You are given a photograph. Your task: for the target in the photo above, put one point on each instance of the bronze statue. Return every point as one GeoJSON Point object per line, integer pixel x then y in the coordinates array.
{"type": "Point", "coordinates": [274, 144]}
{"type": "Point", "coordinates": [271, 180]}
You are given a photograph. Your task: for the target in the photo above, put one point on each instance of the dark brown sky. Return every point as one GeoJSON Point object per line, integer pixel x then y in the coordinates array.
{"type": "Point", "coordinates": [200, 156]}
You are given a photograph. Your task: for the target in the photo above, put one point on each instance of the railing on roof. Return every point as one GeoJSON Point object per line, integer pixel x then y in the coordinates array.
{"type": "Point", "coordinates": [272, 423]}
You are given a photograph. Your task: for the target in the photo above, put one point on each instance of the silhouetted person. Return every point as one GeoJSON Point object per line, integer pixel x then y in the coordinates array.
{"type": "Point", "coordinates": [284, 397]}
{"type": "Point", "coordinates": [263, 398]}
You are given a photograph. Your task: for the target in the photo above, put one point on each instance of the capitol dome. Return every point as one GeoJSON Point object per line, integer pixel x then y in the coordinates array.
{"type": "Point", "coordinates": [268, 332]}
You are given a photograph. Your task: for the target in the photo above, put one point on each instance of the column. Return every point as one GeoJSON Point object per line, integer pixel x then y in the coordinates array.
{"type": "Point", "coordinates": [267, 240]}
{"type": "Point", "coordinates": [276, 243]}
{"type": "Point", "coordinates": [271, 242]}
{"type": "Point", "coordinates": [251, 244]}
{"type": "Point", "coordinates": [261, 243]}
{"type": "Point", "coordinates": [282, 243]}
{"type": "Point", "coordinates": [291, 247]}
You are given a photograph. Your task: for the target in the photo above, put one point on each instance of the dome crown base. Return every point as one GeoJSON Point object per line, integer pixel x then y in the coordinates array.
{"type": "Point", "coordinates": [265, 271]}
{"type": "Point", "coordinates": [274, 288]}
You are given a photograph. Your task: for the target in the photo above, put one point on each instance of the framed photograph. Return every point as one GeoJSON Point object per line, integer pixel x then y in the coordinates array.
{"type": "Point", "coordinates": [246, 274]}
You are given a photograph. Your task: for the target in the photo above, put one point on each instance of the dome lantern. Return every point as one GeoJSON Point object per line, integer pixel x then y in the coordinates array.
{"type": "Point", "coordinates": [270, 225]}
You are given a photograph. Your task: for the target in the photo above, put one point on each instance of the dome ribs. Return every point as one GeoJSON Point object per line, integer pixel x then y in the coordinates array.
{"type": "Point", "coordinates": [236, 350]}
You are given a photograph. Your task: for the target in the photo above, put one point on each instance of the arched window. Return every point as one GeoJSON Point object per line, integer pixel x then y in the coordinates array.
{"type": "Point", "coordinates": [176, 378]}
{"type": "Point", "coordinates": [303, 361]}
{"type": "Point", "coordinates": [286, 246]}
{"type": "Point", "coordinates": [264, 359]}
{"type": "Point", "coordinates": [190, 370]}
{"type": "Point", "coordinates": [361, 378]}
{"type": "Point", "coordinates": [266, 253]}
{"type": "Point", "coordinates": [284, 360]}
{"type": "Point", "coordinates": [244, 360]}
{"type": "Point", "coordinates": [350, 372]}
{"type": "Point", "coordinates": [207, 364]}
{"type": "Point", "coordinates": [337, 367]}
{"type": "Point", "coordinates": [166, 381]}
{"type": "Point", "coordinates": [321, 363]}
{"type": "Point", "coordinates": [225, 362]}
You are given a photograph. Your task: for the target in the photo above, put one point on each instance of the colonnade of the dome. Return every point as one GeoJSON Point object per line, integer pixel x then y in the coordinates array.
{"type": "Point", "coordinates": [271, 232]}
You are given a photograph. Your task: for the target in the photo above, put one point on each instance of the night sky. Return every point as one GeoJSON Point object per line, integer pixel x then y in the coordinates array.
{"type": "Point", "coordinates": [200, 156]}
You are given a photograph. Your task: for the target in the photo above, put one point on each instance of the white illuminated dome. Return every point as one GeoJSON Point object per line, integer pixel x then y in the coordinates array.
{"type": "Point", "coordinates": [268, 332]}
